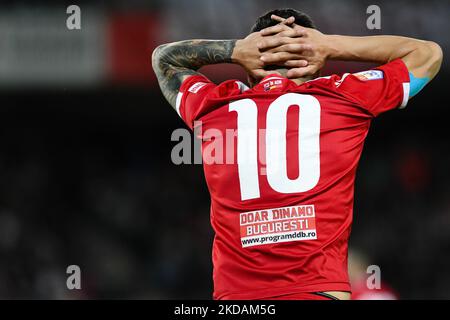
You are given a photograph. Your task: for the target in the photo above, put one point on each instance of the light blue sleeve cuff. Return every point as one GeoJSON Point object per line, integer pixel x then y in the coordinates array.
{"type": "Point", "coordinates": [416, 84]}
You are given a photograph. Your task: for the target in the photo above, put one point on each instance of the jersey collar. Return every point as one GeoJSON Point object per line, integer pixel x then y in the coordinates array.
{"type": "Point", "coordinates": [273, 83]}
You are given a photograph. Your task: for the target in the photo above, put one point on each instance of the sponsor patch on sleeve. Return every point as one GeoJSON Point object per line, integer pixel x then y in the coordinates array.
{"type": "Point", "coordinates": [197, 86]}
{"type": "Point", "coordinates": [369, 75]}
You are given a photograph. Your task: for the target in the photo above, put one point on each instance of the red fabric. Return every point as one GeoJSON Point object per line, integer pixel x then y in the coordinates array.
{"type": "Point", "coordinates": [131, 40]}
{"type": "Point", "coordinates": [347, 106]}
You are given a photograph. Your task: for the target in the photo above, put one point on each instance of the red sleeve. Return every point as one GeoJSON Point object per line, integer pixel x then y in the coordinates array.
{"type": "Point", "coordinates": [199, 96]}
{"type": "Point", "coordinates": [192, 96]}
{"type": "Point", "coordinates": [378, 90]}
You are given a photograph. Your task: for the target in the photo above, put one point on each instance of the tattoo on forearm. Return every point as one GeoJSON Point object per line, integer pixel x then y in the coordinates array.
{"type": "Point", "coordinates": [174, 62]}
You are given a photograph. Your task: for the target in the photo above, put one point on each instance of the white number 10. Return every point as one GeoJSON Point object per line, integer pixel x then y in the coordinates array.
{"type": "Point", "coordinates": [276, 155]}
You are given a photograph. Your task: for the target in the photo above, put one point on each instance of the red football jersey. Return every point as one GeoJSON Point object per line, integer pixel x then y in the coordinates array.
{"type": "Point", "coordinates": [280, 162]}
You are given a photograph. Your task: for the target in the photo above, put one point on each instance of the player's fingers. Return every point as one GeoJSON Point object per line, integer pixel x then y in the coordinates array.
{"type": "Point", "coordinates": [279, 57]}
{"type": "Point", "coordinates": [293, 32]}
{"type": "Point", "coordinates": [272, 42]}
{"type": "Point", "coordinates": [289, 21]}
{"type": "Point", "coordinates": [276, 18]}
{"type": "Point", "coordinates": [292, 48]}
{"type": "Point", "coordinates": [296, 63]}
{"type": "Point", "coordinates": [287, 33]}
{"type": "Point", "coordinates": [285, 21]}
{"type": "Point", "coordinates": [274, 29]}
{"type": "Point", "coordinates": [301, 72]}
{"type": "Point", "coordinates": [283, 31]}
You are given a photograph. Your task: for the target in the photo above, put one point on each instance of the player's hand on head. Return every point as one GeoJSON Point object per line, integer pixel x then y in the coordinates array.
{"type": "Point", "coordinates": [247, 54]}
{"type": "Point", "coordinates": [279, 35]}
{"type": "Point", "coordinates": [298, 48]}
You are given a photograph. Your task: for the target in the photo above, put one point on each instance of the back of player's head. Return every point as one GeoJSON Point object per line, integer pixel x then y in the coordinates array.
{"type": "Point", "coordinates": [264, 21]}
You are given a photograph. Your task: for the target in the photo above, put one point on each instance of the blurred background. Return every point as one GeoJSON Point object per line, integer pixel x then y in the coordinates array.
{"type": "Point", "coordinates": [85, 171]}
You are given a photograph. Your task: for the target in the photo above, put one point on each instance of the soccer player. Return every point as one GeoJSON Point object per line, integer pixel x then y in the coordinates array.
{"type": "Point", "coordinates": [282, 202]}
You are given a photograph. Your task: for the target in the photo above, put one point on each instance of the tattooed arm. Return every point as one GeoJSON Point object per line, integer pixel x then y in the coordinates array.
{"type": "Point", "coordinates": [174, 62]}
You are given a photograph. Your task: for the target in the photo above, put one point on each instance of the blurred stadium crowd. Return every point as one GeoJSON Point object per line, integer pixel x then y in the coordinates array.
{"type": "Point", "coordinates": [85, 170]}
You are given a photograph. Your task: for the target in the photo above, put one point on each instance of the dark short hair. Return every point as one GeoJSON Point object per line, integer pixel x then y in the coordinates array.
{"type": "Point", "coordinates": [265, 21]}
